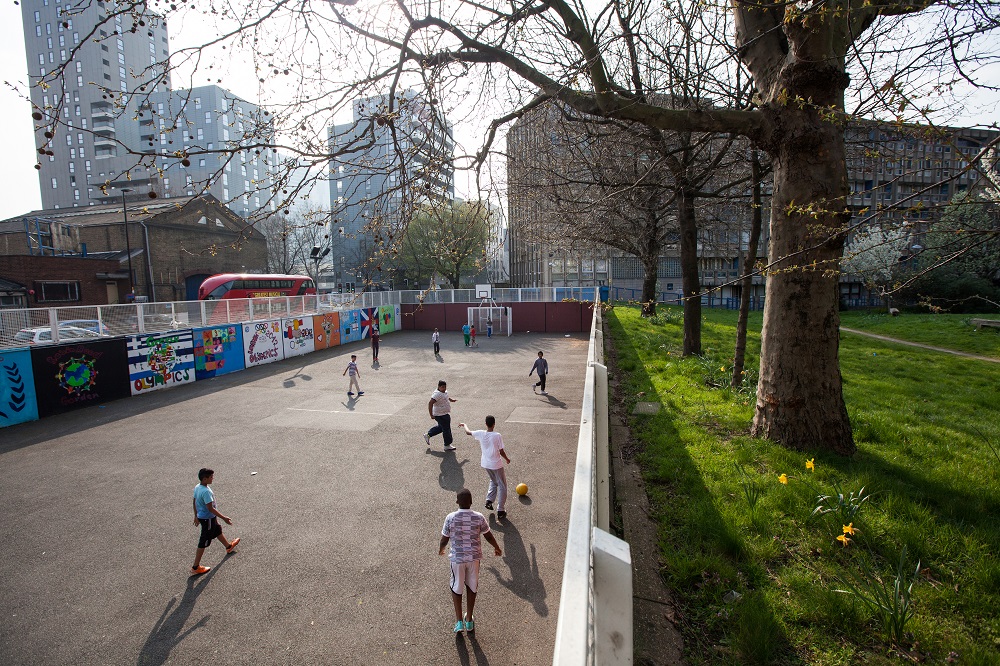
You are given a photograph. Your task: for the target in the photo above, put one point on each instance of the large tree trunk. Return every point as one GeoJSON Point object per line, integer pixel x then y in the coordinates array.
{"type": "Point", "coordinates": [800, 400]}
{"type": "Point", "coordinates": [649, 267]}
{"type": "Point", "coordinates": [746, 284]}
{"type": "Point", "coordinates": [689, 273]}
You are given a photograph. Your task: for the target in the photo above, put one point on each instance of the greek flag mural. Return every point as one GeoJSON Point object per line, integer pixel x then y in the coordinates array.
{"type": "Point", "coordinates": [160, 360]}
{"type": "Point", "coordinates": [17, 388]}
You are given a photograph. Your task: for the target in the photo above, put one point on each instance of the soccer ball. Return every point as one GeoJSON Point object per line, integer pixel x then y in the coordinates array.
{"type": "Point", "coordinates": [522, 489]}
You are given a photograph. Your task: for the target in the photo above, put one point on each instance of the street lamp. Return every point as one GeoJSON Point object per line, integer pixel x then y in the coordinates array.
{"type": "Point", "coordinates": [128, 246]}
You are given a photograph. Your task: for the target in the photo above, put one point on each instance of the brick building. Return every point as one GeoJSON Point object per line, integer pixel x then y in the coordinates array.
{"type": "Point", "coordinates": [54, 281]}
{"type": "Point", "coordinates": [175, 244]}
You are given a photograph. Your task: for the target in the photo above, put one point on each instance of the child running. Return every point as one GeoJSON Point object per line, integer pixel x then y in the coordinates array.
{"type": "Point", "coordinates": [352, 368]}
{"type": "Point", "coordinates": [463, 528]}
{"type": "Point", "coordinates": [207, 517]}
{"type": "Point", "coordinates": [492, 461]}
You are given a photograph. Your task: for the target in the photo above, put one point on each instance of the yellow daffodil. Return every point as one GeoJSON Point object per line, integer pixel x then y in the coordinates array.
{"type": "Point", "coordinates": [810, 465]}
{"type": "Point", "coordinates": [844, 539]}
{"type": "Point", "coordinates": [783, 479]}
{"type": "Point", "coordinates": [850, 529]}
{"type": "Point", "coordinates": [722, 369]}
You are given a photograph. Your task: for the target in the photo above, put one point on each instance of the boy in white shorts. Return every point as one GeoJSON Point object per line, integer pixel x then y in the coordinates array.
{"type": "Point", "coordinates": [463, 528]}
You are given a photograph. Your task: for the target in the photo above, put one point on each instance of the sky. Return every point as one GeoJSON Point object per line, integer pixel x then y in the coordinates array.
{"type": "Point", "coordinates": [18, 178]}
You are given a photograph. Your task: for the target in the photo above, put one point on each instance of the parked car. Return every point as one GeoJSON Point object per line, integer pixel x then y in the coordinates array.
{"type": "Point", "coordinates": [43, 335]}
{"type": "Point", "coordinates": [88, 324]}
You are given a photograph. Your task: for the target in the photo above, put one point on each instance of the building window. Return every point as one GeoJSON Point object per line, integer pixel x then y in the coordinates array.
{"type": "Point", "coordinates": [55, 185]}
{"type": "Point", "coordinates": [202, 220]}
{"type": "Point", "coordinates": [51, 292]}
{"type": "Point", "coordinates": [197, 103]}
{"type": "Point", "coordinates": [208, 117]}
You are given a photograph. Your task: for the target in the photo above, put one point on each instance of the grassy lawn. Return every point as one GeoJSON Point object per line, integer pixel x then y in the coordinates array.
{"type": "Point", "coordinates": [952, 331]}
{"type": "Point", "coordinates": [755, 574]}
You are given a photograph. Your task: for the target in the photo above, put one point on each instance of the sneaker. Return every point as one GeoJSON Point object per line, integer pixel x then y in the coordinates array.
{"type": "Point", "coordinates": [450, 448]}
{"type": "Point", "coordinates": [459, 626]}
{"type": "Point", "coordinates": [197, 571]}
{"type": "Point", "coordinates": [544, 393]}
{"type": "Point", "coordinates": [350, 393]}
{"type": "Point", "coordinates": [501, 515]}
{"type": "Point", "coordinates": [489, 505]}
{"type": "Point", "coordinates": [232, 545]}
{"type": "Point", "coordinates": [362, 392]}
{"type": "Point", "coordinates": [470, 625]}
{"type": "Point", "coordinates": [427, 438]}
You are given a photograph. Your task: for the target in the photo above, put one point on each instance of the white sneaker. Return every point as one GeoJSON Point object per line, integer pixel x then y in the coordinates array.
{"type": "Point", "coordinates": [450, 448]}
{"type": "Point", "coordinates": [544, 393]}
{"type": "Point", "coordinates": [427, 438]}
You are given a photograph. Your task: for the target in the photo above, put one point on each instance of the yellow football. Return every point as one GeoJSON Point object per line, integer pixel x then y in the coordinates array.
{"type": "Point", "coordinates": [522, 489]}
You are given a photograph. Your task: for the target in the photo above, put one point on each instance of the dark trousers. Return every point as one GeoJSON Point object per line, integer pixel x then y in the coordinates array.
{"type": "Point", "coordinates": [541, 381]}
{"type": "Point", "coordinates": [374, 349]}
{"type": "Point", "coordinates": [444, 427]}
{"type": "Point", "coordinates": [437, 347]}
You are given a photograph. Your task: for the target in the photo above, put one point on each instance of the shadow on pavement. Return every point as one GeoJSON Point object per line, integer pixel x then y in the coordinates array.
{"type": "Point", "coordinates": [169, 629]}
{"type": "Point", "coordinates": [451, 476]}
{"type": "Point", "coordinates": [463, 651]}
{"type": "Point", "coordinates": [524, 580]}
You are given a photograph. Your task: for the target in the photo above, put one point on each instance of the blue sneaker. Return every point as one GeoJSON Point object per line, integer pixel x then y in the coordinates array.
{"type": "Point", "coordinates": [459, 626]}
{"type": "Point", "coordinates": [470, 625]}
{"type": "Point", "coordinates": [361, 392]}
{"type": "Point", "coordinates": [350, 393]}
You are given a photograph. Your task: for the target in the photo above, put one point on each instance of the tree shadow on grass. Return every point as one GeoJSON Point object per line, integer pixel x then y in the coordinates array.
{"type": "Point", "coordinates": [695, 537]}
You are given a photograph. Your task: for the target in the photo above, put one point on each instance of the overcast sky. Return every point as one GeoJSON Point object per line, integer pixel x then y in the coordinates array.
{"type": "Point", "coordinates": [19, 180]}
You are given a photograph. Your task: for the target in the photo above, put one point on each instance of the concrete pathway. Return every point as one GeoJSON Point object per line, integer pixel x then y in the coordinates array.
{"type": "Point", "coordinates": [338, 502]}
{"type": "Point", "coordinates": [945, 350]}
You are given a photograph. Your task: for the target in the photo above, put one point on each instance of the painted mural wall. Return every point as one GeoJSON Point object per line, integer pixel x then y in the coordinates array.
{"type": "Point", "coordinates": [49, 380]}
{"type": "Point", "coordinates": [217, 350]}
{"type": "Point", "coordinates": [160, 360]}
{"type": "Point", "coordinates": [74, 376]}
{"type": "Point", "coordinates": [297, 336]}
{"type": "Point", "coordinates": [262, 342]}
{"type": "Point", "coordinates": [17, 388]}
{"type": "Point", "coordinates": [326, 330]}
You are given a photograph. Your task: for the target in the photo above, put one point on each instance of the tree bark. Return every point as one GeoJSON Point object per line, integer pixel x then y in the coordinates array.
{"type": "Point", "coordinates": [689, 272]}
{"type": "Point", "coordinates": [746, 283]}
{"type": "Point", "coordinates": [800, 400]}
{"type": "Point", "coordinates": [650, 265]}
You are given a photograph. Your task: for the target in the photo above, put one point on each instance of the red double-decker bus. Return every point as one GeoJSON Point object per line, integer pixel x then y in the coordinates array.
{"type": "Point", "coordinates": [235, 285]}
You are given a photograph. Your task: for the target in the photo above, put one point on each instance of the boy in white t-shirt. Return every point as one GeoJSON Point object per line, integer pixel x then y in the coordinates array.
{"type": "Point", "coordinates": [463, 529]}
{"type": "Point", "coordinates": [492, 461]}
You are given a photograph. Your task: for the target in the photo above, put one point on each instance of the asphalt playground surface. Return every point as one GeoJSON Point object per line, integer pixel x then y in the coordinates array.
{"type": "Point", "coordinates": [338, 504]}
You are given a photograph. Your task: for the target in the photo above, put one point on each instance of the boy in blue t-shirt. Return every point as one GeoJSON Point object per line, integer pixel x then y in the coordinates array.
{"type": "Point", "coordinates": [206, 515]}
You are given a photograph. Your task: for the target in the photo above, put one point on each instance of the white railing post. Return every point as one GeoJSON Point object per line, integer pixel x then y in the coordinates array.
{"type": "Point", "coordinates": [602, 458]}
{"type": "Point", "coordinates": [612, 599]}
{"type": "Point", "coordinates": [204, 313]}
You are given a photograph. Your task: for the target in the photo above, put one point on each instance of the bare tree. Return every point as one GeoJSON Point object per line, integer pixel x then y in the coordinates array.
{"type": "Point", "coordinates": [802, 56]}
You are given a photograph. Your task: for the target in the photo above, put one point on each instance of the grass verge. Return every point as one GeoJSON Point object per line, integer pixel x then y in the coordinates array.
{"type": "Point", "coordinates": [951, 331]}
{"type": "Point", "coordinates": [761, 576]}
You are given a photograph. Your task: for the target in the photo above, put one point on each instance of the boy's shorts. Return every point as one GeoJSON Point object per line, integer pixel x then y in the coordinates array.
{"type": "Point", "coordinates": [209, 530]}
{"type": "Point", "coordinates": [464, 574]}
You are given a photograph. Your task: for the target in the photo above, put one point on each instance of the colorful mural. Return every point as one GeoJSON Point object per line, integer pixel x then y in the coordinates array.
{"type": "Point", "coordinates": [386, 319]}
{"type": "Point", "coordinates": [369, 316]}
{"type": "Point", "coordinates": [17, 388]}
{"type": "Point", "coordinates": [326, 330]}
{"type": "Point", "coordinates": [217, 351]}
{"type": "Point", "coordinates": [350, 326]}
{"type": "Point", "coordinates": [297, 336]}
{"type": "Point", "coordinates": [262, 342]}
{"type": "Point", "coordinates": [68, 377]}
{"type": "Point", "coordinates": [160, 360]}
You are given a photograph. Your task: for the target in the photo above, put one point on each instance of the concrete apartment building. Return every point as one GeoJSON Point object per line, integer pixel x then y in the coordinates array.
{"type": "Point", "coordinates": [537, 150]}
{"type": "Point", "coordinates": [898, 175]}
{"type": "Point", "coordinates": [378, 177]}
{"type": "Point", "coordinates": [111, 110]}
{"type": "Point", "coordinates": [89, 103]}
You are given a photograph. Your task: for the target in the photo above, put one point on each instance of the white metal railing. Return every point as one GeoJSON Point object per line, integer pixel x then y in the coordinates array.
{"type": "Point", "coordinates": [31, 326]}
{"type": "Point", "coordinates": [595, 605]}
